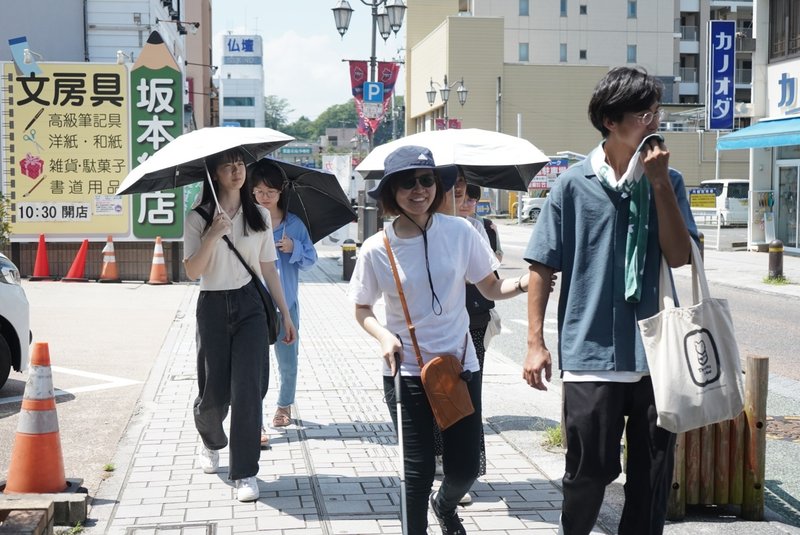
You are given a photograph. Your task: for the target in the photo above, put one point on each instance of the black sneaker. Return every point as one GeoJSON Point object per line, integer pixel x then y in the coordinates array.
{"type": "Point", "coordinates": [451, 524]}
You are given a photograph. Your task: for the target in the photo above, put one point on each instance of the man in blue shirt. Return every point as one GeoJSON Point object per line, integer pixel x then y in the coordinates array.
{"type": "Point", "coordinates": [605, 226]}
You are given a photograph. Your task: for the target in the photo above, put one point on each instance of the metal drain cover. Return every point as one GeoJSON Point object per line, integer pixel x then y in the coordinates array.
{"type": "Point", "coordinates": [174, 529]}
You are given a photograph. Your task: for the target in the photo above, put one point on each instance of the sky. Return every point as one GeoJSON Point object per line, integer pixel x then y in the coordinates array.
{"type": "Point", "coordinates": [303, 51]}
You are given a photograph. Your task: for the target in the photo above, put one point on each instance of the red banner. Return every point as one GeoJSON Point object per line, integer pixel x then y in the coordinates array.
{"type": "Point", "coordinates": [387, 74]}
{"type": "Point", "coordinates": [358, 75]}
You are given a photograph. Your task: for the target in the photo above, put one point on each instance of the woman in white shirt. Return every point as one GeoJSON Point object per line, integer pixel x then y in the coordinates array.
{"type": "Point", "coordinates": [436, 254]}
{"type": "Point", "coordinates": [231, 321]}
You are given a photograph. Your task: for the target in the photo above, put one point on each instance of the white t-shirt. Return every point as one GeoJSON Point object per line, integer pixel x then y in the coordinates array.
{"type": "Point", "coordinates": [477, 224]}
{"type": "Point", "coordinates": [457, 254]}
{"type": "Point", "coordinates": [224, 270]}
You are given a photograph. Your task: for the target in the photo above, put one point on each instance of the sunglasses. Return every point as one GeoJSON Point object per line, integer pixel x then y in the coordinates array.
{"type": "Point", "coordinates": [425, 181]}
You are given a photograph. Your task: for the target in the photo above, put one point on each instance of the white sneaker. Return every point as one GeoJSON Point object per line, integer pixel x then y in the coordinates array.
{"type": "Point", "coordinates": [466, 499]}
{"type": "Point", "coordinates": [209, 460]}
{"type": "Point", "coordinates": [247, 489]}
{"type": "Point", "coordinates": [439, 466]}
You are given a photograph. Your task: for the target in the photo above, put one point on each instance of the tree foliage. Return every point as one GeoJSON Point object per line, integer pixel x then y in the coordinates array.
{"type": "Point", "coordinates": [276, 111]}
{"type": "Point", "coordinates": [341, 116]}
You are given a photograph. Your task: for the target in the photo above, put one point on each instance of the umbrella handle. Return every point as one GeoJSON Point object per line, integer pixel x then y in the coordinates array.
{"type": "Point", "coordinates": [211, 185]}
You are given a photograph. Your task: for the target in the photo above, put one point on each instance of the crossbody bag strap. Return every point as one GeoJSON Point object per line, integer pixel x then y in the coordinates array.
{"type": "Point", "coordinates": [411, 328]}
{"type": "Point", "coordinates": [232, 247]}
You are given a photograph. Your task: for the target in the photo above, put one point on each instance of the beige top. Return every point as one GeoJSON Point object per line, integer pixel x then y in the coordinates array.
{"type": "Point", "coordinates": [224, 270]}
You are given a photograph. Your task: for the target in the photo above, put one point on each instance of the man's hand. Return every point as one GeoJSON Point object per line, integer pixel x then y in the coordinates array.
{"type": "Point", "coordinates": [536, 363]}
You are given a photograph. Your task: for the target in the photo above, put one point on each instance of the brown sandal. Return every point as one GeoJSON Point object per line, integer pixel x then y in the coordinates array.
{"type": "Point", "coordinates": [265, 439]}
{"type": "Point", "coordinates": [283, 417]}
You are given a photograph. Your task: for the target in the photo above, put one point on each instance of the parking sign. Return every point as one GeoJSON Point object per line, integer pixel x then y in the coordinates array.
{"type": "Point", "coordinates": [373, 92]}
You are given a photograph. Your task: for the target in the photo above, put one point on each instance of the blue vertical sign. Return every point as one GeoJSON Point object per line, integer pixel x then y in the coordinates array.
{"type": "Point", "coordinates": [720, 81]}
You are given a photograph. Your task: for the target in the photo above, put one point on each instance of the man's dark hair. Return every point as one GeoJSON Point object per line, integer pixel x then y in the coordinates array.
{"type": "Point", "coordinates": [623, 89]}
{"type": "Point", "coordinates": [388, 193]}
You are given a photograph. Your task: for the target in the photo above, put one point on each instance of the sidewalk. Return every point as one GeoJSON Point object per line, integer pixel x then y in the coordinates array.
{"type": "Point", "coordinates": [336, 471]}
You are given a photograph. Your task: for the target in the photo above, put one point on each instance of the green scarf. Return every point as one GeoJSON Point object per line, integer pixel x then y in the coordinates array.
{"type": "Point", "coordinates": [632, 184]}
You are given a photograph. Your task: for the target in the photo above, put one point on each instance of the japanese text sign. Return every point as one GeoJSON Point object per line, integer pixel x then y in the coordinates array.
{"type": "Point", "coordinates": [156, 111]}
{"type": "Point", "coordinates": [65, 148]}
{"type": "Point", "coordinates": [720, 79]}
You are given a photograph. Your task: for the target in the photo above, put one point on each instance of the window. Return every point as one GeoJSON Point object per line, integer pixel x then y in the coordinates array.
{"type": "Point", "coordinates": [563, 53]}
{"type": "Point", "coordinates": [631, 53]}
{"type": "Point", "coordinates": [738, 191]}
{"type": "Point", "coordinates": [784, 28]}
{"type": "Point", "coordinates": [238, 101]}
{"type": "Point", "coordinates": [632, 9]}
{"type": "Point", "coordinates": [563, 8]}
{"type": "Point", "coordinates": [582, 54]}
{"type": "Point", "coordinates": [523, 52]}
{"type": "Point", "coordinates": [523, 8]}
{"type": "Point", "coordinates": [583, 9]}
{"type": "Point", "coordinates": [243, 122]}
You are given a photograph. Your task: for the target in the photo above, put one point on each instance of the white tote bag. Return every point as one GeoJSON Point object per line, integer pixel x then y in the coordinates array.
{"type": "Point", "coordinates": [692, 355]}
{"type": "Point", "coordinates": [493, 328]}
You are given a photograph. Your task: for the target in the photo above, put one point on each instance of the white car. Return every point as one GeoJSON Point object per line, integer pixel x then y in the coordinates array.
{"type": "Point", "coordinates": [532, 206]}
{"type": "Point", "coordinates": [733, 206]}
{"type": "Point", "coordinates": [15, 334]}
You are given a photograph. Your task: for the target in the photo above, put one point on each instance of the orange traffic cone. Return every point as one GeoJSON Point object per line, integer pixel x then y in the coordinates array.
{"type": "Point", "coordinates": [37, 464]}
{"type": "Point", "coordinates": [76, 272]}
{"type": "Point", "coordinates": [41, 269]}
{"type": "Point", "coordinates": [109, 272]}
{"type": "Point", "coordinates": [158, 271]}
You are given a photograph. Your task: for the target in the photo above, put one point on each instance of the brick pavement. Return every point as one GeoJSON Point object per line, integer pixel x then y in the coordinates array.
{"type": "Point", "coordinates": [333, 472]}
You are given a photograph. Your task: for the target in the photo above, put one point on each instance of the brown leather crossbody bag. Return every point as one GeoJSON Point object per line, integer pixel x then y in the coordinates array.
{"type": "Point", "coordinates": [443, 377]}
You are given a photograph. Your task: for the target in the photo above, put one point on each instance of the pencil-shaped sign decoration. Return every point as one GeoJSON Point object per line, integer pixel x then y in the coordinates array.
{"type": "Point", "coordinates": [156, 119]}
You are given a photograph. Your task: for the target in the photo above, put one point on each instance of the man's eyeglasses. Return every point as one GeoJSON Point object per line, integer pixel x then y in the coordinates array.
{"type": "Point", "coordinates": [648, 117]}
{"type": "Point", "coordinates": [470, 200]}
{"type": "Point", "coordinates": [268, 193]}
{"type": "Point", "coordinates": [425, 181]}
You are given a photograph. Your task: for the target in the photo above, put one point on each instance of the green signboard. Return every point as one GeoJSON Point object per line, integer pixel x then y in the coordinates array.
{"type": "Point", "coordinates": [156, 119]}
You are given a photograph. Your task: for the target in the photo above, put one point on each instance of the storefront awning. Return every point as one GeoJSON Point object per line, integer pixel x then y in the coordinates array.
{"type": "Point", "coordinates": [773, 133]}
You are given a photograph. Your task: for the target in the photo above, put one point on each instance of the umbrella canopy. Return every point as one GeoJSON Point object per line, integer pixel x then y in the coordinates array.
{"type": "Point", "coordinates": [315, 197]}
{"type": "Point", "coordinates": [182, 160]}
{"type": "Point", "coordinates": [489, 159]}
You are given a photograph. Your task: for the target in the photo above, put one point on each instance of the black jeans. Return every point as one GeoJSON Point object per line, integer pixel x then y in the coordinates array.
{"type": "Point", "coordinates": [231, 344]}
{"type": "Point", "coordinates": [461, 453]}
{"type": "Point", "coordinates": [594, 419]}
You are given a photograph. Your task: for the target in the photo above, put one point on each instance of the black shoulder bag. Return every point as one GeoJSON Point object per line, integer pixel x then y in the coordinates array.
{"type": "Point", "coordinates": [273, 326]}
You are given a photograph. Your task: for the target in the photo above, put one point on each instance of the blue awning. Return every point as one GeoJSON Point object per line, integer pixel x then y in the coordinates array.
{"type": "Point", "coordinates": [770, 133]}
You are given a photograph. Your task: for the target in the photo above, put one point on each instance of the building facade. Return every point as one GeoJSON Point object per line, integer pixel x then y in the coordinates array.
{"type": "Point", "coordinates": [242, 81]}
{"type": "Point", "coordinates": [774, 141]}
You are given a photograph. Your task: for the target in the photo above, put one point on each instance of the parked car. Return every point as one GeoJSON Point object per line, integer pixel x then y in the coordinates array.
{"type": "Point", "coordinates": [532, 205]}
{"type": "Point", "coordinates": [15, 335]}
{"type": "Point", "coordinates": [732, 199]}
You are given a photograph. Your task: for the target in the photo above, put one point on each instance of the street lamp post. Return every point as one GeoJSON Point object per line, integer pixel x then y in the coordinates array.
{"type": "Point", "coordinates": [444, 91]}
{"type": "Point", "coordinates": [387, 17]}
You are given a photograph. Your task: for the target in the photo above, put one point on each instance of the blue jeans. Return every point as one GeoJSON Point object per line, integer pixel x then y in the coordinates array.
{"type": "Point", "coordinates": [287, 362]}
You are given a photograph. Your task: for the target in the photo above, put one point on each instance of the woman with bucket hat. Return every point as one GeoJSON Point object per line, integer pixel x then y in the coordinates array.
{"type": "Point", "coordinates": [435, 255]}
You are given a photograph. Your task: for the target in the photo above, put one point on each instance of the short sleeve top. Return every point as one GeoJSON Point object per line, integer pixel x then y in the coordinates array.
{"type": "Point", "coordinates": [224, 270]}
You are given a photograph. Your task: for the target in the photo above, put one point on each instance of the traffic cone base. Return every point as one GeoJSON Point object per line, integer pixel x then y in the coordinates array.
{"type": "Point", "coordinates": [41, 269]}
{"type": "Point", "coordinates": [37, 463]}
{"type": "Point", "coordinates": [158, 270]}
{"type": "Point", "coordinates": [78, 269]}
{"type": "Point", "coordinates": [109, 272]}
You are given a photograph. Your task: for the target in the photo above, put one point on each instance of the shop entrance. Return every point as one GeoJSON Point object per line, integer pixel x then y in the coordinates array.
{"type": "Point", "coordinates": [788, 203]}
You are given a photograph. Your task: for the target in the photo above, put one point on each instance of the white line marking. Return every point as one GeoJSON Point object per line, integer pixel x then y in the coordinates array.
{"type": "Point", "coordinates": [112, 382]}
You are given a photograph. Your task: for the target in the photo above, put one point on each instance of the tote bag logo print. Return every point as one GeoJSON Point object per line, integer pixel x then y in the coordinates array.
{"type": "Point", "coordinates": [702, 358]}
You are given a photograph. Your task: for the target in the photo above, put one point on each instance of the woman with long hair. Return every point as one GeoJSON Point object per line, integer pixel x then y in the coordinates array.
{"type": "Point", "coordinates": [295, 253]}
{"type": "Point", "coordinates": [231, 321]}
